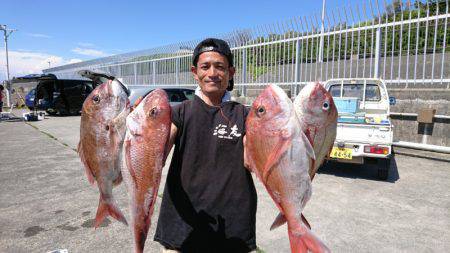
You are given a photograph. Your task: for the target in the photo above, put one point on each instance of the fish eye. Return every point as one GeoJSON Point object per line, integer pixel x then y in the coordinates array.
{"type": "Point", "coordinates": [260, 110]}
{"type": "Point", "coordinates": [153, 112]}
{"type": "Point", "coordinates": [96, 99]}
{"type": "Point", "coordinates": [325, 106]}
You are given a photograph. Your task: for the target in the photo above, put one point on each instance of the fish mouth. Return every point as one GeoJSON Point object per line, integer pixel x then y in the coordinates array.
{"type": "Point", "coordinates": [117, 89]}
{"type": "Point", "coordinates": [124, 88]}
{"type": "Point", "coordinates": [277, 95]}
{"type": "Point", "coordinates": [136, 134]}
{"type": "Point", "coordinates": [133, 127]}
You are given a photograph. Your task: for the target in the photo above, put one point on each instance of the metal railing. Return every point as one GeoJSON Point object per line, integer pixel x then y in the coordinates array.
{"type": "Point", "coordinates": [404, 43]}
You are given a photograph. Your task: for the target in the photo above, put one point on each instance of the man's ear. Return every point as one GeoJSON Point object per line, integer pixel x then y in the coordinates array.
{"type": "Point", "coordinates": [194, 72]}
{"type": "Point", "coordinates": [231, 70]}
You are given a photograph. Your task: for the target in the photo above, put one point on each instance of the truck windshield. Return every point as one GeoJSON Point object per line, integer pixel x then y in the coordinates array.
{"type": "Point", "coordinates": [356, 91]}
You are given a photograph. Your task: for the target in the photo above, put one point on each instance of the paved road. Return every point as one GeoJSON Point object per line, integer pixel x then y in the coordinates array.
{"type": "Point", "coordinates": [46, 202]}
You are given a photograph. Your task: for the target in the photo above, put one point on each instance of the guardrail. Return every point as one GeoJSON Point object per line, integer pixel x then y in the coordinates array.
{"type": "Point", "coordinates": [426, 147]}
{"type": "Point", "coordinates": [407, 114]}
{"type": "Point", "coordinates": [426, 133]}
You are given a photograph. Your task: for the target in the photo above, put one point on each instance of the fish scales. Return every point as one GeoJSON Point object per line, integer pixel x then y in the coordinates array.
{"type": "Point", "coordinates": [280, 154]}
{"type": "Point", "coordinates": [318, 115]}
{"type": "Point", "coordinates": [145, 148]}
{"type": "Point", "coordinates": [101, 135]}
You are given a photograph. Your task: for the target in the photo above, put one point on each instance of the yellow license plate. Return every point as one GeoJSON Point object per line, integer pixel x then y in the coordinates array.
{"type": "Point", "coordinates": [341, 153]}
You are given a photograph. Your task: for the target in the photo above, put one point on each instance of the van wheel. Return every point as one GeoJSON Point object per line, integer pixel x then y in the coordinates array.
{"type": "Point", "coordinates": [383, 168]}
{"type": "Point", "coordinates": [51, 112]}
{"type": "Point", "coordinates": [63, 112]}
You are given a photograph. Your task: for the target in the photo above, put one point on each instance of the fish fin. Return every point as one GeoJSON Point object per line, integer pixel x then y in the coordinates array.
{"type": "Point", "coordinates": [107, 208]}
{"type": "Point", "coordinates": [128, 163]}
{"type": "Point", "coordinates": [118, 123]}
{"type": "Point", "coordinates": [139, 240]}
{"type": "Point", "coordinates": [308, 147]}
{"type": "Point", "coordinates": [305, 222]}
{"type": "Point", "coordinates": [327, 157]}
{"type": "Point", "coordinates": [141, 232]}
{"type": "Point", "coordinates": [308, 134]}
{"type": "Point", "coordinates": [312, 171]}
{"type": "Point", "coordinates": [248, 164]}
{"type": "Point", "coordinates": [281, 147]}
{"type": "Point", "coordinates": [87, 169]}
{"type": "Point", "coordinates": [306, 241]}
{"type": "Point", "coordinates": [279, 220]}
{"type": "Point", "coordinates": [137, 102]}
{"type": "Point", "coordinates": [167, 148]}
{"type": "Point", "coordinates": [119, 179]}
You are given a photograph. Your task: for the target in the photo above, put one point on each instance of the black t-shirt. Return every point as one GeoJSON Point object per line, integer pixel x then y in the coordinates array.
{"type": "Point", "coordinates": [209, 201]}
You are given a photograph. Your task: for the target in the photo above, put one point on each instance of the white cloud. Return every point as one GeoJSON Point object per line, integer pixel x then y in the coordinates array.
{"type": "Point", "coordinates": [74, 61]}
{"type": "Point", "coordinates": [86, 44]}
{"type": "Point", "coordinates": [89, 52]}
{"type": "Point", "coordinates": [26, 62]}
{"type": "Point", "coordinates": [39, 35]}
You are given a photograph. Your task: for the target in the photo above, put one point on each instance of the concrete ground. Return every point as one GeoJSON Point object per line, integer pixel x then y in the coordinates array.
{"type": "Point", "coordinates": [46, 202]}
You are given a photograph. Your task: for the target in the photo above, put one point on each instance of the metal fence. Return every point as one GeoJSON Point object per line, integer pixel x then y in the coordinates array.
{"type": "Point", "coordinates": [404, 43]}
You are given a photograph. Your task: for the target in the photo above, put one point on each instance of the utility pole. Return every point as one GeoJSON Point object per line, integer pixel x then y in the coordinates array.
{"type": "Point", "coordinates": [322, 30]}
{"type": "Point", "coordinates": [6, 33]}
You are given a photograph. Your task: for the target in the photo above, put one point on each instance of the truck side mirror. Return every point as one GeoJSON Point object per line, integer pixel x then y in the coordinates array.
{"type": "Point", "coordinates": [392, 101]}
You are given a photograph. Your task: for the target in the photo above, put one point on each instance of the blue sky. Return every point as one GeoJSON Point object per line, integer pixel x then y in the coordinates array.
{"type": "Point", "coordinates": [69, 31]}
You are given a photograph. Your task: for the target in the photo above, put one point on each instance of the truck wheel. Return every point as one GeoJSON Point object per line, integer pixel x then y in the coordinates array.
{"type": "Point", "coordinates": [383, 168]}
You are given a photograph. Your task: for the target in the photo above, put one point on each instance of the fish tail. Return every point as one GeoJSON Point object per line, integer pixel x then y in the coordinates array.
{"type": "Point", "coordinates": [306, 242]}
{"type": "Point", "coordinates": [87, 169]}
{"type": "Point", "coordinates": [106, 208]}
{"type": "Point", "coordinates": [142, 225]}
{"type": "Point", "coordinates": [139, 237]}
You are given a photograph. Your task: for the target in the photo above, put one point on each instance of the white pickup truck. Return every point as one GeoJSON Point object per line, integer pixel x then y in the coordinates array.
{"type": "Point", "coordinates": [364, 130]}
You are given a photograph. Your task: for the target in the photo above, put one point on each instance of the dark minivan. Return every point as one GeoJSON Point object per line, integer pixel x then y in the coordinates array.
{"type": "Point", "coordinates": [61, 96]}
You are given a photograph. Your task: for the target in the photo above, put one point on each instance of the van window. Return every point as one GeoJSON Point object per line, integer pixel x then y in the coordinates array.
{"type": "Point", "coordinates": [189, 94]}
{"type": "Point", "coordinates": [356, 91]}
{"type": "Point", "coordinates": [175, 96]}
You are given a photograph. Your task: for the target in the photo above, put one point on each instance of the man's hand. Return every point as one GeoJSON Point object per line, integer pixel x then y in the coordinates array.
{"type": "Point", "coordinates": [246, 162]}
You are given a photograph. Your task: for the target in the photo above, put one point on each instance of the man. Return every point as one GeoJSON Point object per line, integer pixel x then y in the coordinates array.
{"type": "Point", "coordinates": [209, 201]}
{"type": "Point", "coordinates": [1, 97]}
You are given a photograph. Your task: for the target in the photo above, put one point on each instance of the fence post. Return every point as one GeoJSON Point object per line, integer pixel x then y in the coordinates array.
{"type": "Point", "coordinates": [244, 72]}
{"type": "Point", "coordinates": [377, 54]}
{"type": "Point", "coordinates": [177, 70]}
{"type": "Point", "coordinates": [297, 68]}
{"type": "Point", "coordinates": [135, 73]}
{"type": "Point", "coordinates": [154, 72]}
{"type": "Point", "coordinates": [322, 30]}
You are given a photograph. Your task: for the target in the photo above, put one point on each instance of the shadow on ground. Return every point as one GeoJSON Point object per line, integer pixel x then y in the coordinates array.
{"type": "Point", "coordinates": [364, 171]}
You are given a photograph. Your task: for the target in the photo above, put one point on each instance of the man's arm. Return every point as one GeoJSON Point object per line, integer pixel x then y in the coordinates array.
{"type": "Point", "coordinates": [172, 136]}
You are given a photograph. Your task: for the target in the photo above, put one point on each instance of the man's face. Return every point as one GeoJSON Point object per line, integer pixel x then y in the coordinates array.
{"type": "Point", "coordinates": [212, 73]}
